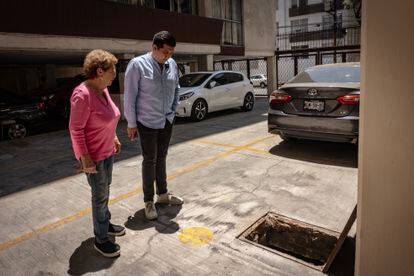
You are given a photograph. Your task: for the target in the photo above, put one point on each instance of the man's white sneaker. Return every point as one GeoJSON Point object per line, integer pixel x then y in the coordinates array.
{"type": "Point", "coordinates": [169, 198]}
{"type": "Point", "coordinates": [150, 211]}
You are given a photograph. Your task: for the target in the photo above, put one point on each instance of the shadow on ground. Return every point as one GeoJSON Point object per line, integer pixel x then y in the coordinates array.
{"type": "Point", "coordinates": [328, 153]}
{"type": "Point", "coordinates": [36, 160]}
{"type": "Point", "coordinates": [344, 263]}
{"type": "Point", "coordinates": [85, 259]}
{"type": "Point", "coordinates": [163, 224]}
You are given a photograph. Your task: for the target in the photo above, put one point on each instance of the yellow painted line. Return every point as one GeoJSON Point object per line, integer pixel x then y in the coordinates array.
{"type": "Point", "coordinates": [206, 142]}
{"type": "Point", "coordinates": [196, 236]}
{"type": "Point", "coordinates": [45, 229]}
{"type": "Point", "coordinates": [134, 192]}
{"type": "Point", "coordinates": [265, 152]}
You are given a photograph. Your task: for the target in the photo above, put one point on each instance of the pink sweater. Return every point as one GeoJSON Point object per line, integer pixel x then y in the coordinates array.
{"type": "Point", "coordinates": [92, 123]}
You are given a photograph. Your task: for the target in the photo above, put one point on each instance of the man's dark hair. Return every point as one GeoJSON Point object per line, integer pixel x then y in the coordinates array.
{"type": "Point", "coordinates": [163, 37]}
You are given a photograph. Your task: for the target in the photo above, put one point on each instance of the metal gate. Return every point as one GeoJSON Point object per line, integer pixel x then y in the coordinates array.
{"type": "Point", "coordinates": [290, 63]}
{"type": "Point", "coordinates": [252, 68]}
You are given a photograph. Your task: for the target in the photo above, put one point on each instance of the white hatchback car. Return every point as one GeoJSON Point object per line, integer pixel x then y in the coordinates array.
{"type": "Point", "coordinates": [259, 80]}
{"type": "Point", "coordinates": [204, 92]}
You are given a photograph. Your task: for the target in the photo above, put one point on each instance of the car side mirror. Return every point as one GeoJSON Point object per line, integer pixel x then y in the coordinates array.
{"type": "Point", "coordinates": [212, 84]}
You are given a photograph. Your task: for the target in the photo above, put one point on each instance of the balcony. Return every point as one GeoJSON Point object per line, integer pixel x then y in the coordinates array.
{"type": "Point", "coordinates": [317, 37]}
{"type": "Point", "coordinates": [307, 9]}
{"type": "Point", "coordinates": [312, 8]}
{"type": "Point", "coordinates": [103, 19]}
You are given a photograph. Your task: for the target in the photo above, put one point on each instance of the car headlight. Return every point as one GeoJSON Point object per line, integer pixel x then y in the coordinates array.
{"type": "Point", "coordinates": [185, 96]}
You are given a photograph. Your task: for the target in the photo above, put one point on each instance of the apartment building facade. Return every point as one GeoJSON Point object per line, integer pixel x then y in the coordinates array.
{"type": "Point", "coordinates": [48, 39]}
{"type": "Point", "coordinates": [305, 24]}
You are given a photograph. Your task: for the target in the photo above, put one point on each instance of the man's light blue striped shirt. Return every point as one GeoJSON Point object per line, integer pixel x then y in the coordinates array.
{"type": "Point", "coordinates": [151, 95]}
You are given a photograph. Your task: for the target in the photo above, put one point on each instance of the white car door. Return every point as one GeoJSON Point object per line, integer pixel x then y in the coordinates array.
{"type": "Point", "coordinates": [238, 88]}
{"type": "Point", "coordinates": [219, 96]}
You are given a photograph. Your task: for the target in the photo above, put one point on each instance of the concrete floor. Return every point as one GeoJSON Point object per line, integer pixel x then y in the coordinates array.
{"type": "Point", "coordinates": [229, 171]}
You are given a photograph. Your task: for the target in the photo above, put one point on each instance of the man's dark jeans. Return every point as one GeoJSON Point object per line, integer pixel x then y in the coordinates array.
{"type": "Point", "coordinates": [154, 147]}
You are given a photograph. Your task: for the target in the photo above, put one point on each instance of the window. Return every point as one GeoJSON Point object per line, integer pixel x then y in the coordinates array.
{"type": "Point", "coordinates": [299, 25]}
{"type": "Point", "coordinates": [192, 80]}
{"type": "Point", "coordinates": [185, 6]}
{"type": "Point", "coordinates": [234, 77]}
{"type": "Point", "coordinates": [220, 79]}
{"type": "Point", "coordinates": [181, 6]}
{"type": "Point", "coordinates": [329, 75]}
{"type": "Point", "coordinates": [328, 22]}
{"type": "Point", "coordinates": [230, 11]}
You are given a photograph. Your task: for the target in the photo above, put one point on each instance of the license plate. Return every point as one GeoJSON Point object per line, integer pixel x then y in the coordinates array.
{"type": "Point", "coordinates": [314, 105]}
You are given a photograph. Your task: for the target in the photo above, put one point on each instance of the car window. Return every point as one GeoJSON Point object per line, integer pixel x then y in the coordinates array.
{"type": "Point", "coordinates": [328, 75]}
{"type": "Point", "coordinates": [234, 77]}
{"type": "Point", "coordinates": [220, 79]}
{"type": "Point", "coordinates": [192, 80]}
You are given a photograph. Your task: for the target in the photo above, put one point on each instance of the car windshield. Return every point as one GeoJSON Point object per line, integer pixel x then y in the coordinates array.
{"type": "Point", "coordinates": [192, 80]}
{"type": "Point", "coordinates": [328, 75]}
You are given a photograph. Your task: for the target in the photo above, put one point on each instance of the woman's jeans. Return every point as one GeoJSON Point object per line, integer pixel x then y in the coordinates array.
{"type": "Point", "coordinates": [154, 147]}
{"type": "Point", "coordinates": [99, 183]}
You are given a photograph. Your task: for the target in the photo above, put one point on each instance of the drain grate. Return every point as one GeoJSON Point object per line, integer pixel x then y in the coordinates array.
{"type": "Point", "coordinates": [299, 241]}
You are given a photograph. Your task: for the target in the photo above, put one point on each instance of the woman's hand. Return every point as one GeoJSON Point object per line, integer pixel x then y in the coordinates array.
{"type": "Point", "coordinates": [88, 166]}
{"type": "Point", "coordinates": [118, 145]}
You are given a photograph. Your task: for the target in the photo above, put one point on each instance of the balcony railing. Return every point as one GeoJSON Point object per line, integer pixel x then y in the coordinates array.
{"type": "Point", "coordinates": [308, 9]}
{"type": "Point", "coordinates": [318, 37]}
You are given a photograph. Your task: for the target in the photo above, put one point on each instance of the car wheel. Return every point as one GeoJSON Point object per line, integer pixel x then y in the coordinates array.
{"type": "Point", "coordinates": [17, 130]}
{"type": "Point", "coordinates": [262, 85]}
{"type": "Point", "coordinates": [248, 102]}
{"type": "Point", "coordinates": [287, 138]}
{"type": "Point", "coordinates": [199, 110]}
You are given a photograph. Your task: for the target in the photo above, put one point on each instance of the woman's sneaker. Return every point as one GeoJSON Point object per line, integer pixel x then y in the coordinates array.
{"type": "Point", "coordinates": [108, 249]}
{"type": "Point", "coordinates": [116, 230]}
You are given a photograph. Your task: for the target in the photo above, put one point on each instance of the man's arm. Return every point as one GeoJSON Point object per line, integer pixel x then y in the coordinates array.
{"type": "Point", "coordinates": [176, 92]}
{"type": "Point", "coordinates": [131, 87]}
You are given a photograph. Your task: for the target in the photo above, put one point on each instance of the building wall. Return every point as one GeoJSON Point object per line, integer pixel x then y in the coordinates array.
{"type": "Point", "coordinates": [385, 225]}
{"type": "Point", "coordinates": [259, 32]}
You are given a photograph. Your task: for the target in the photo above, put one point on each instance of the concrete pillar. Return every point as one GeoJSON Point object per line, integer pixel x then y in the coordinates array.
{"type": "Point", "coordinates": [205, 62]}
{"type": "Point", "coordinates": [122, 65]}
{"type": "Point", "coordinates": [385, 218]}
{"type": "Point", "coordinates": [193, 66]}
{"type": "Point", "coordinates": [271, 74]}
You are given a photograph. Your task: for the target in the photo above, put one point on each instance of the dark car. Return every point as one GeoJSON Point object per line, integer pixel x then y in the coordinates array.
{"type": "Point", "coordinates": [320, 103]}
{"type": "Point", "coordinates": [58, 104]}
{"type": "Point", "coordinates": [19, 115]}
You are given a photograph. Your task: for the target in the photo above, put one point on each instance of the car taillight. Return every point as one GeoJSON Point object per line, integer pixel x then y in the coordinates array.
{"type": "Point", "coordinates": [41, 106]}
{"type": "Point", "coordinates": [349, 99]}
{"type": "Point", "coordinates": [280, 97]}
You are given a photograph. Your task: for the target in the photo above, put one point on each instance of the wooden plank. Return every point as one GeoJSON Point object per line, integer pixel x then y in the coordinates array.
{"type": "Point", "coordinates": [341, 240]}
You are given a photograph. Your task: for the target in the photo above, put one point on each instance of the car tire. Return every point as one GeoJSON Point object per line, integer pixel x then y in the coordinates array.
{"type": "Point", "coordinates": [287, 138]}
{"type": "Point", "coordinates": [262, 85]}
{"type": "Point", "coordinates": [248, 102]}
{"type": "Point", "coordinates": [16, 131]}
{"type": "Point", "coordinates": [199, 110]}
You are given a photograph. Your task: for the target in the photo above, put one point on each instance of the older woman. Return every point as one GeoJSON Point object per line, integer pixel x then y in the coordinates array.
{"type": "Point", "coordinates": [93, 121]}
